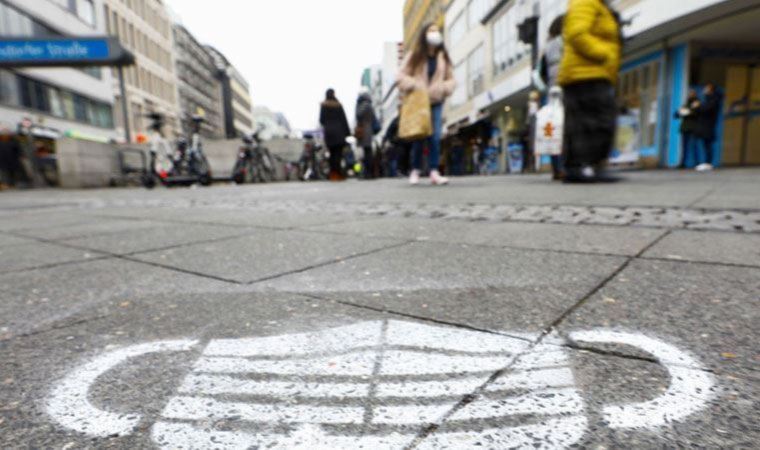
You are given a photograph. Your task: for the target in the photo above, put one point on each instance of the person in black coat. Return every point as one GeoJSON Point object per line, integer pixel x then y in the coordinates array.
{"type": "Point", "coordinates": [11, 169]}
{"type": "Point", "coordinates": [709, 111]}
{"type": "Point", "coordinates": [365, 126]}
{"type": "Point", "coordinates": [689, 115]}
{"type": "Point", "coordinates": [333, 119]}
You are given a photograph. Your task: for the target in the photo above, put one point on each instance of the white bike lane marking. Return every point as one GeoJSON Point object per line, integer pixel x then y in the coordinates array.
{"type": "Point", "coordinates": [69, 405]}
{"type": "Point", "coordinates": [690, 385]}
{"type": "Point", "coordinates": [292, 391]}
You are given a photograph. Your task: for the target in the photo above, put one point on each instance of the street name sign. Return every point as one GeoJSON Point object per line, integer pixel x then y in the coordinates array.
{"type": "Point", "coordinates": [67, 51]}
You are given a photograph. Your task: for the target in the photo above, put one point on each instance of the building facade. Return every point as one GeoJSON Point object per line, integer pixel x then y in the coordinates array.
{"type": "Point", "coordinates": [65, 101]}
{"type": "Point", "coordinates": [417, 13]}
{"type": "Point", "coordinates": [393, 55]}
{"type": "Point", "coordinates": [237, 105]}
{"type": "Point", "coordinates": [198, 85]}
{"type": "Point", "coordinates": [271, 124]}
{"type": "Point", "coordinates": [670, 47]}
{"type": "Point", "coordinates": [145, 28]}
{"type": "Point", "coordinates": [372, 79]}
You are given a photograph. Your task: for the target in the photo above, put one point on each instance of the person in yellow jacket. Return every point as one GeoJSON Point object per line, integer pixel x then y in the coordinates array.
{"type": "Point", "coordinates": [588, 74]}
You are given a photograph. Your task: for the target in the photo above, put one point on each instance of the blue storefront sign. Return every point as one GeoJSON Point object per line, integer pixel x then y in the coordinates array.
{"type": "Point", "coordinates": [62, 52]}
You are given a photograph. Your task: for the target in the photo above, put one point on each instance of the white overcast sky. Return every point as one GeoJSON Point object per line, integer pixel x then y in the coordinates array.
{"type": "Point", "coordinates": [291, 51]}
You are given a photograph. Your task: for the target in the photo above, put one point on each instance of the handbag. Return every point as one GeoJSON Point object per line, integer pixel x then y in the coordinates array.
{"type": "Point", "coordinates": [416, 118]}
{"type": "Point", "coordinates": [359, 132]}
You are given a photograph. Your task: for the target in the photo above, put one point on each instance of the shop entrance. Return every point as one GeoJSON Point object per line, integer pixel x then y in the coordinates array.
{"type": "Point", "coordinates": [741, 133]}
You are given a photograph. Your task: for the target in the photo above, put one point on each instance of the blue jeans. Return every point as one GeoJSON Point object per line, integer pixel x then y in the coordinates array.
{"type": "Point", "coordinates": [690, 150]}
{"type": "Point", "coordinates": [433, 142]}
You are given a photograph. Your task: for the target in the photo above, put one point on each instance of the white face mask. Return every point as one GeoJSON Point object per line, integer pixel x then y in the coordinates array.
{"type": "Point", "coordinates": [435, 39]}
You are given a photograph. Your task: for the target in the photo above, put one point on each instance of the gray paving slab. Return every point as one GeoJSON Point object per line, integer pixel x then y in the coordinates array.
{"type": "Point", "coordinates": [496, 289]}
{"type": "Point", "coordinates": [147, 238]}
{"type": "Point", "coordinates": [39, 220]}
{"type": "Point", "coordinates": [38, 299]}
{"type": "Point", "coordinates": [232, 216]}
{"type": "Point", "coordinates": [37, 254]}
{"type": "Point", "coordinates": [89, 226]}
{"type": "Point", "coordinates": [710, 310]}
{"type": "Point", "coordinates": [589, 239]}
{"type": "Point", "coordinates": [266, 253]}
{"type": "Point", "coordinates": [8, 239]}
{"type": "Point", "coordinates": [741, 194]}
{"type": "Point", "coordinates": [714, 247]}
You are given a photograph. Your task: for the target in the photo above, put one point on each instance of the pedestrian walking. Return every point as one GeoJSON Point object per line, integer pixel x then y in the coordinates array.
{"type": "Point", "coordinates": [708, 112]}
{"type": "Point", "coordinates": [588, 75]}
{"type": "Point", "coordinates": [333, 119]}
{"type": "Point", "coordinates": [529, 156]}
{"type": "Point", "coordinates": [391, 145]}
{"type": "Point", "coordinates": [689, 115]}
{"type": "Point", "coordinates": [366, 129]}
{"type": "Point", "coordinates": [11, 169]}
{"type": "Point", "coordinates": [551, 63]}
{"type": "Point", "coordinates": [428, 68]}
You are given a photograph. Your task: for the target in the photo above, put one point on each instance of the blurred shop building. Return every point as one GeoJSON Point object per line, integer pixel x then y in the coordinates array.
{"type": "Point", "coordinates": [670, 47]}
{"type": "Point", "coordinates": [58, 101]}
{"type": "Point", "coordinates": [145, 28]}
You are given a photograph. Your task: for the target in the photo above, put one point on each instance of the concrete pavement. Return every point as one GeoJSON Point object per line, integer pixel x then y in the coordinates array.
{"type": "Point", "coordinates": [494, 313]}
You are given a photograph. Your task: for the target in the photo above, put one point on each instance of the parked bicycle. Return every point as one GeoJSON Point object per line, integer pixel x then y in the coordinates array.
{"type": "Point", "coordinates": [191, 161]}
{"type": "Point", "coordinates": [180, 166]}
{"type": "Point", "coordinates": [314, 163]}
{"type": "Point", "coordinates": [254, 163]}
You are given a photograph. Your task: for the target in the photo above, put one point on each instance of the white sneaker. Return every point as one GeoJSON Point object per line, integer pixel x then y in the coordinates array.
{"type": "Point", "coordinates": [414, 177]}
{"type": "Point", "coordinates": [437, 179]}
{"type": "Point", "coordinates": [705, 167]}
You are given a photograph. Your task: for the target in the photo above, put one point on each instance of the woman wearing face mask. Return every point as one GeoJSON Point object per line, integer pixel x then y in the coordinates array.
{"type": "Point", "coordinates": [428, 68]}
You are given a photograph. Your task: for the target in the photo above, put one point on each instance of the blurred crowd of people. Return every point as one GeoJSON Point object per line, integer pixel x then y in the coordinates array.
{"type": "Point", "coordinates": [577, 73]}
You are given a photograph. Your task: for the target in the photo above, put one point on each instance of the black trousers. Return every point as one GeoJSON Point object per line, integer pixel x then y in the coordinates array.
{"type": "Point", "coordinates": [590, 123]}
{"type": "Point", "coordinates": [336, 157]}
{"type": "Point", "coordinates": [369, 163]}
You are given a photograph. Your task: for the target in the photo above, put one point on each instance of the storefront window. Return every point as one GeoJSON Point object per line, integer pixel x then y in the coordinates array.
{"type": "Point", "coordinates": [507, 48]}
{"type": "Point", "coordinates": [15, 23]}
{"type": "Point", "coordinates": [56, 106]}
{"type": "Point", "coordinates": [8, 88]}
{"type": "Point", "coordinates": [67, 100]}
{"type": "Point", "coordinates": [637, 92]}
{"type": "Point", "coordinates": [460, 93]}
{"type": "Point", "coordinates": [457, 30]}
{"type": "Point", "coordinates": [477, 10]}
{"type": "Point", "coordinates": [86, 11]}
{"type": "Point", "coordinates": [476, 63]}
{"type": "Point", "coordinates": [80, 108]}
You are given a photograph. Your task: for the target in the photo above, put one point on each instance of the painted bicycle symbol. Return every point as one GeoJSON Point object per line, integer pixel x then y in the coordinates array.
{"type": "Point", "coordinates": [375, 385]}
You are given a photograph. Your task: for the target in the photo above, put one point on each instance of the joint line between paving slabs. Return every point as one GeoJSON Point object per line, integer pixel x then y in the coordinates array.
{"type": "Point", "coordinates": [415, 317]}
{"type": "Point", "coordinates": [178, 269]}
{"type": "Point", "coordinates": [469, 398]}
{"type": "Point", "coordinates": [128, 256]}
{"type": "Point", "coordinates": [329, 263]}
{"type": "Point", "coordinates": [557, 322]}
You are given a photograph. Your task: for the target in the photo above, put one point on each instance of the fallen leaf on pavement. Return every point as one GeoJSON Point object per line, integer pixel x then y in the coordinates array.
{"type": "Point", "coordinates": [729, 355]}
{"type": "Point", "coordinates": [609, 300]}
{"type": "Point", "coordinates": [125, 304]}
